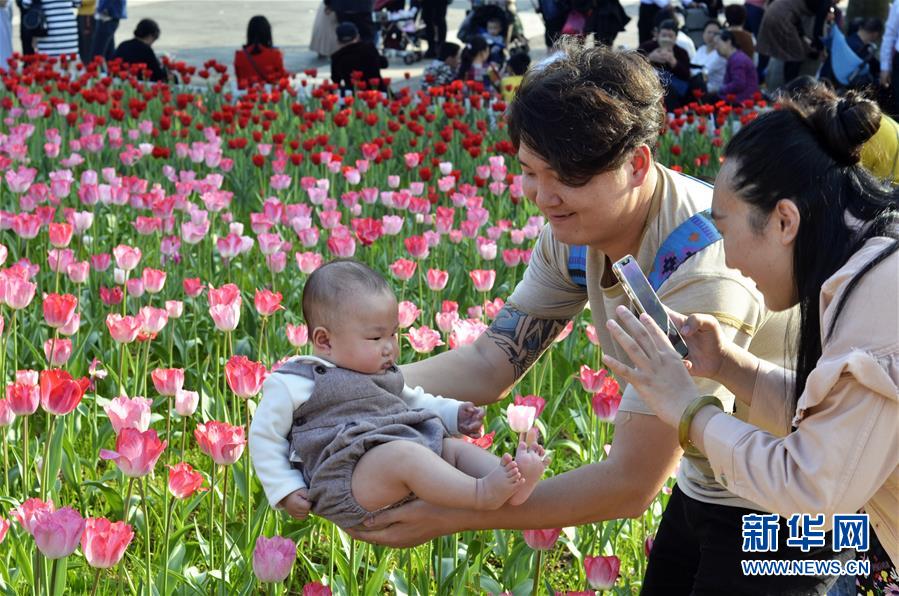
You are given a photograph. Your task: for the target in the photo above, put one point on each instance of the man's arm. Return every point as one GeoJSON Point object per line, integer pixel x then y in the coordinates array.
{"type": "Point", "coordinates": [644, 453]}
{"type": "Point", "coordinates": [485, 371]}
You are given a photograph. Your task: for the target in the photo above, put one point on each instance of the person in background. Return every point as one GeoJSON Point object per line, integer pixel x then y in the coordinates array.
{"type": "Point", "coordinates": [862, 40]}
{"type": "Point", "coordinates": [357, 12]}
{"type": "Point", "coordinates": [646, 21]}
{"type": "Point", "coordinates": [516, 66]}
{"type": "Point", "coordinates": [24, 34]}
{"type": "Point", "coordinates": [671, 61]}
{"type": "Point", "coordinates": [324, 32]}
{"type": "Point", "coordinates": [259, 61]}
{"type": "Point", "coordinates": [442, 70]}
{"type": "Point", "coordinates": [62, 37]}
{"type": "Point", "coordinates": [356, 55]}
{"type": "Point", "coordinates": [475, 63]}
{"type": "Point", "coordinates": [735, 17]}
{"type": "Point", "coordinates": [86, 23]}
{"type": "Point", "coordinates": [708, 61]}
{"type": "Point", "coordinates": [683, 40]}
{"type": "Point", "coordinates": [755, 10]}
{"type": "Point", "coordinates": [889, 66]}
{"type": "Point", "coordinates": [740, 78]}
{"type": "Point", "coordinates": [109, 14]}
{"type": "Point", "coordinates": [139, 50]}
{"type": "Point", "coordinates": [5, 32]}
{"type": "Point", "coordinates": [433, 14]}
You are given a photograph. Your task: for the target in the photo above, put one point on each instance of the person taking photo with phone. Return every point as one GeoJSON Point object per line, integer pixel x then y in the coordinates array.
{"type": "Point", "coordinates": [815, 230]}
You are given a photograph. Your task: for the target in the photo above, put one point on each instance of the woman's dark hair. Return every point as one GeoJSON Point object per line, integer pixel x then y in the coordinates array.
{"type": "Point", "coordinates": [809, 152]}
{"type": "Point", "coordinates": [447, 50]}
{"type": "Point", "coordinates": [475, 46]}
{"type": "Point", "coordinates": [711, 22]}
{"type": "Point", "coordinates": [735, 15]}
{"type": "Point", "coordinates": [259, 34]}
{"type": "Point", "coordinates": [146, 28]}
{"type": "Point", "coordinates": [583, 109]}
{"type": "Point", "coordinates": [727, 35]}
{"type": "Point", "coordinates": [668, 25]}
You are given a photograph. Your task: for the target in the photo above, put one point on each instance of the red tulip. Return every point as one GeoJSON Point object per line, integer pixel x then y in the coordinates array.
{"type": "Point", "coordinates": [57, 533]}
{"type": "Point", "coordinates": [316, 589]}
{"type": "Point", "coordinates": [592, 380]}
{"type": "Point", "coordinates": [184, 481]}
{"type": "Point", "coordinates": [602, 572]}
{"type": "Point", "coordinates": [222, 442]}
{"type": "Point", "coordinates": [103, 542]}
{"type": "Point", "coordinates": [244, 376]}
{"type": "Point", "coordinates": [267, 302]}
{"type": "Point", "coordinates": [542, 539]}
{"type": "Point", "coordinates": [60, 393]}
{"type": "Point", "coordinates": [168, 381]}
{"type": "Point", "coordinates": [417, 247]}
{"type": "Point", "coordinates": [136, 452]}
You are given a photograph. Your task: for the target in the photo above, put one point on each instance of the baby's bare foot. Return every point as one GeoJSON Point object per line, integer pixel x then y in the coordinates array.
{"type": "Point", "coordinates": [495, 488]}
{"type": "Point", "coordinates": [531, 460]}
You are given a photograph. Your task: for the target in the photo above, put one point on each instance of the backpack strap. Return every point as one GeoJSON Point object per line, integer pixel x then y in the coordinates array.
{"type": "Point", "coordinates": [577, 264]}
{"type": "Point", "coordinates": [686, 240]}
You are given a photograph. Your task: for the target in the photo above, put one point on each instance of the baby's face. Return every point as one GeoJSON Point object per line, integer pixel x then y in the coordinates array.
{"type": "Point", "coordinates": [365, 338]}
{"type": "Point", "coordinates": [494, 27]}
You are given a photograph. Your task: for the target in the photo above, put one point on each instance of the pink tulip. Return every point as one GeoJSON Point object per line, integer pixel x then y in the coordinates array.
{"type": "Point", "coordinates": [541, 539]}
{"type": "Point", "coordinates": [186, 402]}
{"type": "Point", "coordinates": [592, 380]}
{"type": "Point", "coordinates": [521, 418]}
{"type": "Point", "coordinates": [7, 415]}
{"type": "Point", "coordinates": [58, 533]}
{"type": "Point", "coordinates": [590, 331]}
{"type": "Point", "coordinates": [123, 329]}
{"type": "Point", "coordinates": [18, 292]}
{"type": "Point", "coordinates": [136, 452]}
{"type": "Point", "coordinates": [174, 308]}
{"type": "Point", "coordinates": [423, 339]}
{"type": "Point", "coordinates": [125, 412]}
{"type": "Point", "coordinates": [244, 376]}
{"type": "Point", "coordinates": [535, 401]}
{"type": "Point", "coordinates": [297, 335]}
{"type": "Point", "coordinates": [60, 392]}
{"type": "Point", "coordinates": [417, 247]}
{"type": "Point", "coordinates": [445, 320]}
{"type": "Point", "coordinates": [103, 542]}
{"type": "Point", "coordinates": [168, 381]}
{"type": "Point", "coordinates": [193, 287]}
{"type": "Point", "coordinates": [225, 318]}
{"type": "Point", "coordinates": [100, 262]}
{"type": "Point", "coordinates": [393, 224]}
{"type": "Point", "coordinates": [32, 511]}
{"type": "Point", "coordinates": [341, 244]}
{"type": "Point", "coordinates": [58, 309]}
{"type": "Point", "coordinates": [4, 528]}
{"type": "Point", "coordinates": [605, 405]}
{"type": "Point", "coordinates": [126, 257]}
{"type": "Point", "coordinates": [154, 280]}
{"type": "Point", "coordinates": [135, 287]}
{"type": "Point", "coordinates": [267, 302]}
{"type": "Point", "coordinates": [602, 572]}
{"type": "Point", "coordinates": [483, 279]}
{"type": "Point", "coordinates": [565, 332]}
{"type": "Point", "coordinates": [403, 269]}
{"type": "Point", "coordinates": [437, 279]}
{"type": "Point", "coordinates": [222, 442]}
{"type": "Point", "coordinates": [647, 545]}
{"type": "Point", "coordinates": [58, 351]}
{"type": "Point", "coordinates": [78, 272]}
{"type": "Point", "coordinates": [273, 558]}
{"type": "Point", "coordinates": [316, 589]}
{"type": "Point", "coordinates": [23, 398]}
{"type": "Point", "coordinates": [408, 312]}
{"type": "Point", "coordinates": [309, 261]}
{"type": "Point", "coordinates": [465, 332]}
{"type": "Point", "coordinates": [184, 481]}
{"type": "Point", "coordinates": [60, 234]}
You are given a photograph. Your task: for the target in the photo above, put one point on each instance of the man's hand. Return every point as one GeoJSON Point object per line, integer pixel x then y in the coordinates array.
{"type": "Point", "coordinates": [296, 504]}
{"type": "Point", "coordinates": [470, 420]}
{"type": "Point", "coordinates": [409, 525]}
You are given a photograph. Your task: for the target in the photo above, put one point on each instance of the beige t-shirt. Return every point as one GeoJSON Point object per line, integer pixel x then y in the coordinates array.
{"type": "Point", "coordinates": [702, 284]}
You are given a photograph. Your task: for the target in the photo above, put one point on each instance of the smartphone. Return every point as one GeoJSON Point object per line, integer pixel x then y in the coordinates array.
{"type": "Point", "coordinates": [637, 288]}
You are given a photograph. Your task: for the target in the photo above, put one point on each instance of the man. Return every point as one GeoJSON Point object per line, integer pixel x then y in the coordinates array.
{"type": "Point", "coordinates": [671, 60]}
{"type": "Point", "coordinates": [139, 50]}
{"type": "Point", "coordinates": [585, 121]}
{"type": "Point", "coordinates": [107, 17]}
{"type": "Point", "coordinates": [356, 56]}
{"type": "Point", "coordinates": [357, 12]}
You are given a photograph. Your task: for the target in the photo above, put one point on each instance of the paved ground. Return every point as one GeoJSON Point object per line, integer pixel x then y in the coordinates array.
{"type": "Point", "coordinates": [197, 30]}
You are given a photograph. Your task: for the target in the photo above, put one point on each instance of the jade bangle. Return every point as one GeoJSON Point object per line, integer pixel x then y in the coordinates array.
{"type": "Point", "coordinates": [686, 420]}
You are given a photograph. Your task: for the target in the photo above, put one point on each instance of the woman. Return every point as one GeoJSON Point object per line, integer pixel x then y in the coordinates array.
{"type": "Point", "coordinates": [259, 61]}
{"type": "Point", "coordinates": [62, 36]}
{"type": "Point", "coordinates": [5, 32]}
{"type": "Point", "coordinates": [139, 51]}
{"type": "Point", "coordinates": [708, 61]}
{"type": "Point", "coordinates": [740, 77]}
{"type": "Point", "coordinates": [803, 219]}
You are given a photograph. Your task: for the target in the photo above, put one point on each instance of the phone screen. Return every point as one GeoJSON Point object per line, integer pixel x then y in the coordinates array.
{"type": "Point", "coordinates": [637, 287]}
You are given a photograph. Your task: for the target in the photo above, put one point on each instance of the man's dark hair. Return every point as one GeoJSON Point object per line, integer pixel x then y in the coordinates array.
{"type": "Point", "coordinates": [583, 110]}
{"type": "Point", "coordinates": [147, 28]}
{"type": "Point", "coordinates": [519, 62]}
{"type": "Point", "coordinates": [735, 15]}
{"type": "Point", "coordinates": [872, 25]}
{"type": "Point", "coordinates": [668, 25]}
{"type": "Point", "coordinates": [447, 50]}
{"type": "Point", "coordinates": [330, 287]}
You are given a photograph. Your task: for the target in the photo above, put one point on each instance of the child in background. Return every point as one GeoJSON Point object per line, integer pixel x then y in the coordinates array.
{"type": "Point", "coordinates": [364, 440]}
{"type": "Point", "coordinates": [442, 71]}
{"type": "Point", "coordinates": [495, 37]}
{"type": "Point", "coordinates": [475, 64]}
{"type": "Point", "coordinates": [516, 66]}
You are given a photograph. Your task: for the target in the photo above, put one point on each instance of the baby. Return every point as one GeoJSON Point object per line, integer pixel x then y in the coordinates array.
{"type": "Point", "coordinates": [363, 440]}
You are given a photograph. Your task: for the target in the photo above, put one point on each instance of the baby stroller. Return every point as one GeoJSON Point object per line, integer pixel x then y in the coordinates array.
{"type": "Point", "coordinates": [511, 31]}
{"type": "Point", "coordinates": [401, 33]}
{"type": "Point", "coordinates": [696, 15]}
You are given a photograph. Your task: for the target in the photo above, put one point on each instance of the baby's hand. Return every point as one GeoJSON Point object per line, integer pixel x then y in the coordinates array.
{"type": "Point", "coordinates": [470, 420]}
{"type": "Point", "coordinates": [296, 505]}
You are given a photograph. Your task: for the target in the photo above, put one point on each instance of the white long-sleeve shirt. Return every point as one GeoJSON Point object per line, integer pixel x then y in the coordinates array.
{"type": "Point", "coordinates": [270, 429]}
{"type": "Point", "coordinates": [890, 42]}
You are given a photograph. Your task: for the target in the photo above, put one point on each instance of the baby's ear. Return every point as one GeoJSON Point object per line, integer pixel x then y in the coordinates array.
{"type": "Point", "coordinates": [321, 339]}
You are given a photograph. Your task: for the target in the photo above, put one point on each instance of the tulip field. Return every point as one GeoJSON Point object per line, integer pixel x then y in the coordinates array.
{"type": "Point", "coordinates": [154, 242]}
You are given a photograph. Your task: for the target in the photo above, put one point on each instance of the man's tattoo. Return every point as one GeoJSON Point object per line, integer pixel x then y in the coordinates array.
{"type": "Point", "coordinates": [522, 336]}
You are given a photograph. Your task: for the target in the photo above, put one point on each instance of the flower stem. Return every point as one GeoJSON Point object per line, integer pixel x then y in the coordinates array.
{"type": "Point", "coordinates": [183, 436]}
{"type": "Point", "coordinates": [224, 531]}
{"type": "Point", "coordinates": [96, 582]}
{"type": "Point", "coordinates": [25, 462]}
{"type": "Point", "coordinates": [51, 589]}
{"type": "Point", "coordinates": [143, 498]}
{"type": "Point", "coordinates": [211, 518]}
{"type": "Point", "coordinates": [249, 468]}
{"type": "Point", "coordinates": [45, 476]}
{"type": "Point", "coordinates": [537, 573]}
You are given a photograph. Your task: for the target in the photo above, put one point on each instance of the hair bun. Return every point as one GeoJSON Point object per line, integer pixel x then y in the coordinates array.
{"type": "Point", "coordinates": [844, 125]}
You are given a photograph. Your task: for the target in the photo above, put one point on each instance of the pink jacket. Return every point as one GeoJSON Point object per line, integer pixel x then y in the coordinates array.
{"type": "Point", "coordinates": [844, 454]}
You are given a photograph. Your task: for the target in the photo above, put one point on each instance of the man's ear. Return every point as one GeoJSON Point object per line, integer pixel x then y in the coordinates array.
{"type": "Point", "coordinates": [321, 340]}
{"type": "Point", "coordinates": [639, 165]}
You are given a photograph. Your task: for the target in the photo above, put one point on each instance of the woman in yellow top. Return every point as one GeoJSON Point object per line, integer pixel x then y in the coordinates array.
{"type": "Point", "coordinates": [803, 219]}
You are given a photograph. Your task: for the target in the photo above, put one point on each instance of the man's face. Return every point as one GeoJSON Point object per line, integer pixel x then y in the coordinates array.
{"type": "Point", "coordinates": [578, 215]}
{"type": "Point", "coordinates": [667, 37]}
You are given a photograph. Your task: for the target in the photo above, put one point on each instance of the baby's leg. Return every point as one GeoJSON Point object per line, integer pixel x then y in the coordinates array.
{"type": "Point", "coordinates": [389, 472]}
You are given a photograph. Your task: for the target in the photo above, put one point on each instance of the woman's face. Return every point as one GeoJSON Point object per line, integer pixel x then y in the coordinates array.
{"type": "Point", "coordinates": [763, 254]}
{"type": "Point", "coordinates": [709, 33]}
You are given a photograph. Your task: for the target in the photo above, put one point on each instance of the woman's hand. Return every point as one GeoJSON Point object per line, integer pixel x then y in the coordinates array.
{"type": "Point", "coordinates": [658, 373]}
{"type": "Point", "coordinates": [408, 525]}
{"type": "Point", "coordinates": [707, 343]}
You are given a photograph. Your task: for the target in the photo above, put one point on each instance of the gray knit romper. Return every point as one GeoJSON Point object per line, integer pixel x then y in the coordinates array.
{"type": "Point", "coordinates": [347, 414]}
